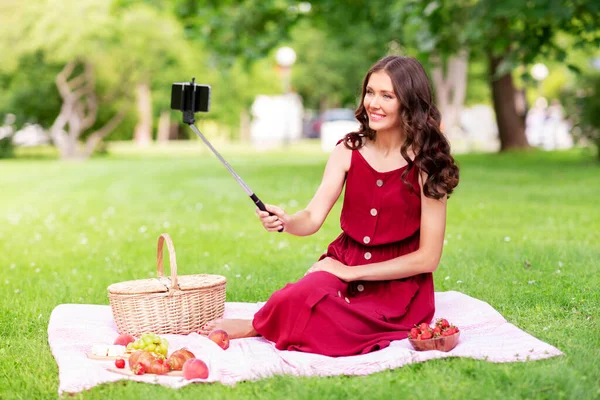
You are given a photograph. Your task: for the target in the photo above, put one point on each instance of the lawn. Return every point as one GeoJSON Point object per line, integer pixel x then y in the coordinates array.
{"type": "Point", "coordinates": [523, 235]}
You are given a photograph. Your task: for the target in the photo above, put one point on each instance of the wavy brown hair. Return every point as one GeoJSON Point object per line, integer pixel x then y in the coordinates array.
{"type": "Point", "coordinates": [420, 120]}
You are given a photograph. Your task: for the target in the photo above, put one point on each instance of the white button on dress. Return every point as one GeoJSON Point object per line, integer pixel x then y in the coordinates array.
{"type": "Point", "coordinates": [366, 240]}
{"type": "Point", "coordinates": [379, 182]}
{"type": "Point", "coordinates": [373, 212]}
{"type": "Point", "coordinates": [367, 255]}
{"type": "Point", "coordinates": [360, 288]}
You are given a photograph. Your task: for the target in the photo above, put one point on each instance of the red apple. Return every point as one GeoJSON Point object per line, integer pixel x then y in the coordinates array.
{"type": "Point", "coordinates": [220, 337]}
{"type": "Point", "coordinates": [194, 369]}
{"type": "Point", "coordinates": [124, 340]}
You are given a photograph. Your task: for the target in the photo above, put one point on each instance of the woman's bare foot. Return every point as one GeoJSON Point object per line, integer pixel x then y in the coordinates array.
{"type": "Point", "coordinates": [235, 328]}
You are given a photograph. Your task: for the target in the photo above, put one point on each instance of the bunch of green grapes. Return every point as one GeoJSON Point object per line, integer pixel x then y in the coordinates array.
{"type": "Point", "coordinates": [150, 342]}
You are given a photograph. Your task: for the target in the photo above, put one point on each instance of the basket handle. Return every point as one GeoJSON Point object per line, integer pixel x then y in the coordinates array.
{"type": "Point", "coordinates": [172, 259]}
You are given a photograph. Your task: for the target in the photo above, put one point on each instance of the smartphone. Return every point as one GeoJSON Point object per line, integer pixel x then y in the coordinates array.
{"type": "Point", "coordinates": [190, 96]}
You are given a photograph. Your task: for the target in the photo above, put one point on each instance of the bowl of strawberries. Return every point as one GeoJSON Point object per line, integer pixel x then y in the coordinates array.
{"type": "Point", "coordinates": [443, 336]}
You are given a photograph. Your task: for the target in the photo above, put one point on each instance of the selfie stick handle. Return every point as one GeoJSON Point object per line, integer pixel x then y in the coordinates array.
{"type": "Point", "coordinates": [239, 180]}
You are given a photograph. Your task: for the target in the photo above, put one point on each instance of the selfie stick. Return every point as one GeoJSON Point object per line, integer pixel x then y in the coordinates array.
{"type": "Point", "coordinates": [188, 118]}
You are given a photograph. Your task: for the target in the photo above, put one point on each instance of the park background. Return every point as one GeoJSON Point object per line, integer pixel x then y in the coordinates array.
{"type": "Point", "coordinates": [94, 166]}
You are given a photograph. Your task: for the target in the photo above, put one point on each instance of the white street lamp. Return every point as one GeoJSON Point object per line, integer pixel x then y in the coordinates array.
{"type": "Point", "coordinates": [285, 57]}
{"type": "Point", "coordinates": [539, 72]}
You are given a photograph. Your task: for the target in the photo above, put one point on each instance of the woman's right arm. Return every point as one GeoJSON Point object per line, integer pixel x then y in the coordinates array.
{"type": "Point", "coordinates": [308, 221]}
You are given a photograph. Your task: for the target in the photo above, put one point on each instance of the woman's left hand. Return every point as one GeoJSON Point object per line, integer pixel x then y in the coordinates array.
{"type": "Point", "coordinates": [334, 267]}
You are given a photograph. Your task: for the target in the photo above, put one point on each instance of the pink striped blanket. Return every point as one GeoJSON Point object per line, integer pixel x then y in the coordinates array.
{"type": "Point", "coordinates": [485, 335]}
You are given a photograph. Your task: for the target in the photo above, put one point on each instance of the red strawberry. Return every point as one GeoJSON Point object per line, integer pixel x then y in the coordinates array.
{"type": "Point", "coordinates": [449, 332]}
{"type": "Point", "coordinates": [139, 369]}
{"type": "Point", "coordinates": [414, 332]}
{"type": "Point", "coordinates": [120, 363]}
{"type": "Point", "coordinates": [437, 331]}
{"type": "Point", "coordinates": [423, 326]}
{"type": "Point", "coordinates": [442, 323]}
{"type": "Point", "coordinates": [426, 335]}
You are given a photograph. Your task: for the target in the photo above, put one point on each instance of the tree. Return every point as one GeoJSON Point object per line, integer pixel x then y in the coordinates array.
{"type": "Point", "coordinates": [29, 92]}
{"type": "Point", "coordinates": [372, 29]}
{"type": "Point", "coordinates": [326, 74]}
{"type": "Point", "coordinates": [582, 106]}
{"type": "Point", "coordinates": [239, 35]}
{"type": "Point", "coordinates": [105, 48]}
{"type": "Point", "coordinates": [238, 29]}
{"type": "Point", "coordinates": [507, 34]}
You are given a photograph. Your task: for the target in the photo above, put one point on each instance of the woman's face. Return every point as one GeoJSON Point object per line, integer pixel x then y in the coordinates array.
{"type": "Point", "coordinates": [381, 104]}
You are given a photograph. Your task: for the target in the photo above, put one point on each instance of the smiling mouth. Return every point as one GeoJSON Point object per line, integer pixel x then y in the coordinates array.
{"type": "Point", "coordinates": [376, 117]}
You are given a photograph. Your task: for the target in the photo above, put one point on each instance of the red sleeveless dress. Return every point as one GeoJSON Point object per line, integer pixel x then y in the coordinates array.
{"type": "Point", "coordinates": [380, 220]}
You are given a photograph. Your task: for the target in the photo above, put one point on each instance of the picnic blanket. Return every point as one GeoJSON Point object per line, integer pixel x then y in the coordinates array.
{"type": "Point", "coordinates": [485, 335]}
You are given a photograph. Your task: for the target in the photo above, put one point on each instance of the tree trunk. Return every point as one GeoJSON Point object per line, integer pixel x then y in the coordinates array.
{"type": "Point", "coordinates": [451, 88]}
{"type": "Point", "coordinates": [143, 129]}
{"type": "Point", "coordinates": [96, 137]}
{"type": "Point", "coordinates": [78, 113]}
{"type": "Point", "coordinates": [164, 126]}
{"type": "Point", "coordinates": [511, 128]}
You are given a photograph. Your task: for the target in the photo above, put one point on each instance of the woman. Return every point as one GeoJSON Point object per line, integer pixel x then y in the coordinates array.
{"type": "Point", "coordinates": [375, 281]}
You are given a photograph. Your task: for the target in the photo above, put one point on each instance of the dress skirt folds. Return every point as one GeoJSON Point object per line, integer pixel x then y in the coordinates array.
{"type": "Point", "coordinates": [320, 313]}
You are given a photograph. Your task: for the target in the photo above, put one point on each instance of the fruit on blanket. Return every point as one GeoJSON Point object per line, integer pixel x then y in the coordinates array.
{"type": "Point", "coordinates": [443, 336]}
{"type": "Point", "coordinates": [414, 332]}
{"type": "Point", "coordinates": [120, 363]}
{"type": "Point", "coordinates": [442, 323]}
{"type": "Point", "coordinates": [139, 369]}
{"type": "Point", "coordinates": [153, 343]}
{"type": "Point", "coordinates": [426, 335]}
{"type": "Point", "coordinates": [141, 357]}
{"type": "Point", "coordinates": [220, 337]}
{"type": "Point", "coordinates": [178, 358]}
{"type": "Point", "coordinates": [124, 340]}
{"type": "Point", "coordinates": [158, 366]}
{"type": "Point", "coordinates": [442, 328]}
{"type": "Point", "coordinates": [195, 369]}
{"type": "Point", "coordinates": [148, 363]}
{"type": "Point", "coordinates": [450, 331]}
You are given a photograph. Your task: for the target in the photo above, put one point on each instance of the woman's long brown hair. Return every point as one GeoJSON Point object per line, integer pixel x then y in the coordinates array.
{"type": "Point", "coordinates": [420, 121]}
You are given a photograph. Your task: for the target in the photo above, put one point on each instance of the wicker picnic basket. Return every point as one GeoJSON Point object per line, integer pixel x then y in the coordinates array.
{"type": "Point", "coordinates": [164, 305]}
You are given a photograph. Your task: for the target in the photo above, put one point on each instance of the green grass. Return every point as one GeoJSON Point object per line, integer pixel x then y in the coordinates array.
{"type": "Point", "coordinates": [523, 235]}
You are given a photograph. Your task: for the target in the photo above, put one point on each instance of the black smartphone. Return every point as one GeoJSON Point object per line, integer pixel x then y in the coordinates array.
{"type": "Point", "coordinates": [190, 96]}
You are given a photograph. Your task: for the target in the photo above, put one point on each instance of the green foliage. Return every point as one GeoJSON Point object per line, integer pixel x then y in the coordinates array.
{"type": "Point", "coordinates": [518, 31]}
{"type": "Point", "coordinates": [229, 44]}
{"type": "Point", "coordinates": [437, 27]}
{"type": "Point", "coordinates": [30, 92]}
{"type": "Point", "coordinates": [126, 43]}
{"type": "Point", "coordinates": [246, 29]}
{"type": "Point", "coordinates": [591, 104]}
{"type": "Point", "coordinates": [234, 90]}
{"type": "Point", "coordinates": [582, 106]}
{"type": "Point", "coordinates": [326, 72]}
{"type": "Point", "coordinates": [7, 149]}
{"type": "Point", "coordinates": [336, 45]}
{"type": "Point", "coordinates": [130, 41]}
{"type": "Point", "coordinates": [478, 90]}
